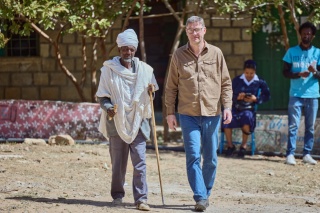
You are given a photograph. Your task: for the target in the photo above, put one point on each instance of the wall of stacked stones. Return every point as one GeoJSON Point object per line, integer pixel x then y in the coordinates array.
{"type": "Point", "coordinates": [41, 78]}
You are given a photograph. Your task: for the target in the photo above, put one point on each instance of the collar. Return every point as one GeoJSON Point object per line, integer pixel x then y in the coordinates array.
{"type": "Point", "coordinates": [255, 78]}
{"type": "Point", "coordinates": [187, 46]}
{"type": "Point", "coordinates": [303, 48]}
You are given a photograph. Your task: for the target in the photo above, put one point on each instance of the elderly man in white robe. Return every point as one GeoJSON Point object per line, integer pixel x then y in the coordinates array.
{"type": "Point", "coordinates": [125, 81]}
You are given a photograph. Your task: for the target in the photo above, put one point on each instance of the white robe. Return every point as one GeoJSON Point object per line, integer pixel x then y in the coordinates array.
{"type": "Point", "coordinates": [130, 92]}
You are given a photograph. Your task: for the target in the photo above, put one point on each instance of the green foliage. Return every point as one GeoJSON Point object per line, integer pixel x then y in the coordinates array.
{"type": "Point", "coordinates": [264, 12]}
{"type": "Point", "coordinates": [88, 17]}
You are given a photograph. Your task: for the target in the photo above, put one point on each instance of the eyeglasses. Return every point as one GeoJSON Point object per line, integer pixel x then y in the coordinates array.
{"type": "Point", "coordinates": [197, 30]}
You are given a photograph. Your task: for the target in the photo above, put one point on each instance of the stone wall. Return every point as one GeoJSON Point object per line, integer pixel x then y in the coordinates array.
{"type": "Point", "coordinates": [232, 37]}
{"type": "Point", "coordinates": [41, 78]}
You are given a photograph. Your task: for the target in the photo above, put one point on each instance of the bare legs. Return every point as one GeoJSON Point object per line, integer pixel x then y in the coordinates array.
{"type": "Point", "coordinates": [228, 134]}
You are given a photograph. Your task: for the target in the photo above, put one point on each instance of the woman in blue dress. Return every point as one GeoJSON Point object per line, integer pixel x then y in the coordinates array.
{"type": "Point", "coordinates": [248, 90]}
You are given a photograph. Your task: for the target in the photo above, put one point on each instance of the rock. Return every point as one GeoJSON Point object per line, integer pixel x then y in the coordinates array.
{"type": "Point", "coordinates": [6, 148]}
{"type": "Point", "coordinates": [10, 156]}
{"type": "Point", "coordinates": [35, 141]}
{"type": "Point", "coordinates": [271, 173]}
{"type": "Point", "coordinates": [61, 140]}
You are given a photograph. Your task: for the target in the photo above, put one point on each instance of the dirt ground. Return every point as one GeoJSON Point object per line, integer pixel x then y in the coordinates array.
{"type": "Point", "coordinates": [36, 178]}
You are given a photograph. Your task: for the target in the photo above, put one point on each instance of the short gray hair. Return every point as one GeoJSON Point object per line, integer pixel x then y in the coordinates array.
{"type": "Point", "coordinates": [193, 19]}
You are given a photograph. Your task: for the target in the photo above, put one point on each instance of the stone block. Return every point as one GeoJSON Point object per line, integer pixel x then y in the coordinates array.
{"type": "Point", "coordinates": [21, 79]}
{"type": "Point", "coordinates": [212, 34]}
{"type": "Point", "coordinates": [51, 33]}
{"type": "Point", "coordinates": [63, 50]}
{"type": "Point", "coordinates": [69, 93]}
{"type": "Point", "coordinates": [4, 79]}
{"type": "Point", "coordinates": [2, 92]}
{"type": "Point", "coordinates": [61, 140]}
{"type": "Point", "coordinates": [30, 64]}
{"type": "Point", "coordinates": [45, 50]}
{"type": "Point", "coordinates": [234, 62]}
{"type": "Point", "coordinates": [114, 35]}
{"type": "Point", "coordinates": [87, 92]}
{"type": "Point", "coordinates": [242, 21]}
{"type": "Point", "coordinates": [35, 141]}
{"type": "Point", "coordinates": [232, 73]}
{"type": "Point", "coordinates": [114, 52]}
{"type": "Point", "coordinates": [118, 23]}
{"type": "Point", "coordinates": [78, 76]}
{"type": "Point", "coordinates": [57, 79]}
{"type": "Point", "coordinates": [41, 79]}
{"type": "Point", "coordinates": [49, 93]}
{"type": "Point", "coordinates": [75, 50]}
{"type": "Point", "coordinates": [221, 21]}
{"type": "Point", "coordinates": [226, 47]}
{"type": "Point", "coordinates": [79, 66]}
{"type": "Point", "coordinates": [30, 93]}
{"type": "Point", "coordinates": [69, 63]}
{"type": "Point", "coordinates": [246, 34]}
{"type": "Point", "coordinates": [231, 34]}
{"type": "Point", "coordinates": [69, 38]}
{"type": "Point", "coordinates": [49, 64]}
{"type": "Point", "coordinates": [89, 51]}
{"type": "Point", "coordinates": [12, 93]}
{"type": "Point", "coordinates": [207, 20]}
{"type": "Point", "coordinates": [23, 64]}
{"type": "Point", "coordinates": [243, 48]}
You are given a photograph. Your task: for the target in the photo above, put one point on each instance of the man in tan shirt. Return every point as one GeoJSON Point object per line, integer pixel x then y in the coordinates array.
{"type": "Point", "coordinates": [199, 76]}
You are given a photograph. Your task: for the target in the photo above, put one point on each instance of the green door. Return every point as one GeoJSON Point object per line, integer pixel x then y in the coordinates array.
{"type": "Point", "coordinates": [269, 67]}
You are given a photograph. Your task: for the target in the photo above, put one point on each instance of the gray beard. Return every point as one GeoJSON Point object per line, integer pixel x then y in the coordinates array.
{"type": "Point", "coordinates": [127, 60]}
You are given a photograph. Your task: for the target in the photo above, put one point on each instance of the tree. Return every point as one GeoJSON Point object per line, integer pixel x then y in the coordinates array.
{"type": "Point", "coordinates": [91, 19]}
{"type": "Point", "coordinates": [262, 13]}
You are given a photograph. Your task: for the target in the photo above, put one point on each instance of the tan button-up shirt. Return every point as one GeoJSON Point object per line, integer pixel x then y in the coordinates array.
{"type": "Point", "coordinates": [202, 83]}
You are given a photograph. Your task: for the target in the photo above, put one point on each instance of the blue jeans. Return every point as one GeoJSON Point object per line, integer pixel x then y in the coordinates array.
{"type": "Point", "coordinates": [200, 135]}
{"type": "Point", "coordinates": [310, 108]}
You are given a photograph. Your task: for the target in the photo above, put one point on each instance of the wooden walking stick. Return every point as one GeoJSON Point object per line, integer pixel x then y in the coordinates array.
{"type": "Point", "coordinates": [155, 141]}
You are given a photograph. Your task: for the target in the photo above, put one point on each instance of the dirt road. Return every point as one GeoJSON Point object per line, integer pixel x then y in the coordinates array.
{"type": "Point", "coordinates": [77, 179]}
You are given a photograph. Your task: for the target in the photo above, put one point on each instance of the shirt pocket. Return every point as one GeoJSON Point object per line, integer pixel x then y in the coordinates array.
{"type": "Point", "coordinates": [188, 70]}
{"type": "Point", "coordinates": [209, 68]}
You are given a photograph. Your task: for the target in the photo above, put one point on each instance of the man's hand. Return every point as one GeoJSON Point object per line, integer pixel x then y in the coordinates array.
{"type": "Point", "coordinates": [111, 112]}
{"type": "Point", "coordinates": [304, 74]}
{"type": "Point", "coordinates": [312, 69]}
{"type": "Point", "coordinates": [172, 122]}
{"type": "Point", "coordinates": [151, 88]}
{"type": "Point", "coordinates": [227, 116]}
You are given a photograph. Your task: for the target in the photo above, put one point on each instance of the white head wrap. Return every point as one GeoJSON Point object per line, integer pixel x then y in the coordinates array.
{"type": "Point", "coordinates": [127, 38]}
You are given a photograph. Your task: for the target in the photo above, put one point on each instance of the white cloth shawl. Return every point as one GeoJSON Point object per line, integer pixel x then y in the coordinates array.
{"type": "Point", "coordinates": [130, 92]}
